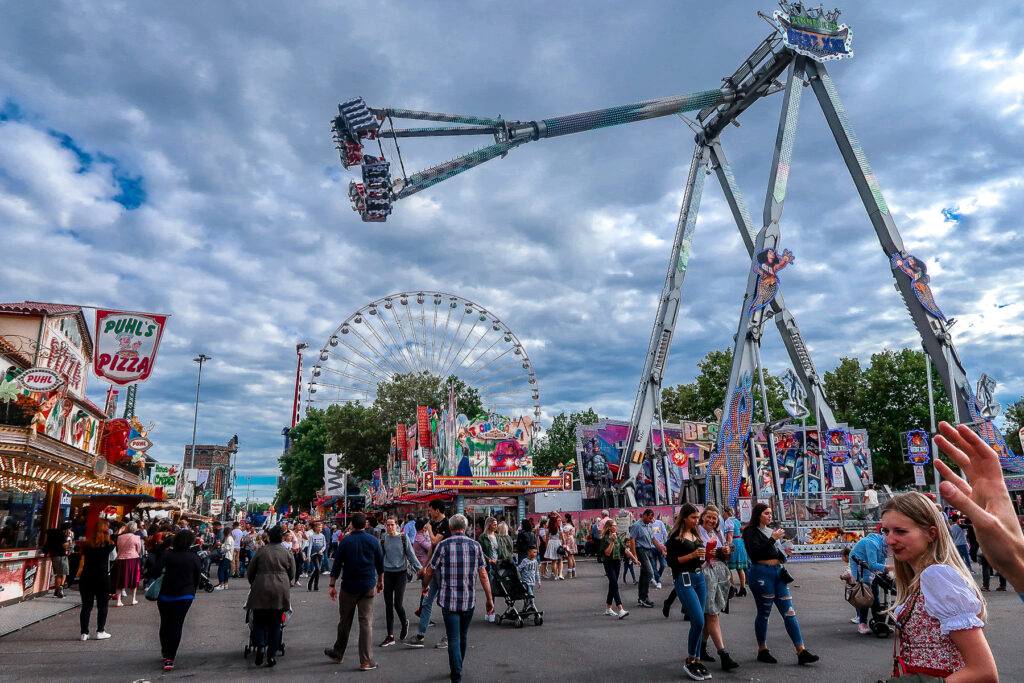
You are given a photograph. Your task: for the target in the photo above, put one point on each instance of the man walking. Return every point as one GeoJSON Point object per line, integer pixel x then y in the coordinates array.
{"type": "Point", "coordinates": [360, 559]}
{"type": "Point", "coordinates": [643, 543]}
{"type": "Point", "coordinates": [236, 536]}
{"type": "Point", "coordinates": [871, 502]}
{"type": "Point", "coordinates": [454, 562]}
{"type": "Point", "coordinates": [439, 531]}
{"type": "Point", "coordinates": [660, 533]}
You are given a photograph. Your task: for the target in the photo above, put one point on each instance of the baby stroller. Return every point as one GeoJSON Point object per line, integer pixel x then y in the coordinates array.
{"type": "Point", "coordinates": [880, 621]}
{"type": "Point", "coordinates": [204, 578]}
{"type": "Point", "coordinates": [509, 585]}
{"type": "Point", "coordinates": [251, 645]}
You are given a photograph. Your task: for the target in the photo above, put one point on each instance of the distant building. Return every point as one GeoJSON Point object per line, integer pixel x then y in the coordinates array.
{"type": "Point", "coordinates": [213, 465]}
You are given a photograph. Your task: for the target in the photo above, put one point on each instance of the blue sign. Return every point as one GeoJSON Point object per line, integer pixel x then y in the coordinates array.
{"type": "Point", "coordinates": [837, 446]}
{"type": "Point", "coordinates": [918, 447]}
{"type": "Point", "coordinates": [65, 499]}
{"type": "Point", "coordinates": [814, 32]}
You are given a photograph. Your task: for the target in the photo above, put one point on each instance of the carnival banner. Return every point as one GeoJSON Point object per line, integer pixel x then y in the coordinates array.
{"type": "Point", "coordinates": [165, 474]}
{"type": "Point", "coordinates": [126, 345]}
{"type": "Point", "coordinates": [423, 426]}
{"type": "Point", "coordinates": [334, 475]}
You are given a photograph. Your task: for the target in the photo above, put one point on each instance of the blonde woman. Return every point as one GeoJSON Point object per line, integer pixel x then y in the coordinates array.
{"type": "Point", "coordinates": [939, 613]}
{"type": "Point", "coordinates": [716, 579]}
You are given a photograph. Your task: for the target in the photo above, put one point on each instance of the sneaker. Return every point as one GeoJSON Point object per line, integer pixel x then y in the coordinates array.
{"type": "Point", "coordinates": [863, 629]}
{"type": "Point", "coordinates": [332, 655]}
{"type": "Point", "coordinates": [1001, 588]}
{"type": "Point", "coordinates": [168, 664]}
{"type": "Point", "coordinates": [703, 670]}
{"type": "Point", "coordinates": [693, 670]}
{"type": "Point", "coordinates": [658, 585]}
{"type": "Point", "coordinates": [85, 636]}
{"type": "Point", "coordinates": [854, 620]}
{"type": "Point", "coordinates": [610, 612]}
{"type": "Point", "coordinates": [368, 667]}
{"type": "Point", "coordinates": [622, 614]}
{"type": "Point", "coordinates": [102, 635]}
{"type": "Point", "coordinates": [415, 641]}
{"type": "Point", "coordinates": [390, 640]}
{"type": "Point", "coordinates": [645, 603]}
{"type": "Point", "coordinates": [260, 652]}
{"type": "Point", "coordinates": [805, 657]}
{"type": "Point", "coordinates": [442, 644]}
{"type": "Point", "coordinates": [405, 631]}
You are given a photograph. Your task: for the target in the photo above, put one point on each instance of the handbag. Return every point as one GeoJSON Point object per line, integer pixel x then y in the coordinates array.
{"type": "Point", "coordinates": [562, 552]}
{"type": "Point", "coordinates": [784, 574]}
{"type": "Point", "coordinates": [860, 596]}
{"type": "Point", "coordinates": [153, 592]}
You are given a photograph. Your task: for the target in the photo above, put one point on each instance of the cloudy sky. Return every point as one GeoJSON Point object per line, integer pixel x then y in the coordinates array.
{"type": "Point", "coordinates": [177, 158]}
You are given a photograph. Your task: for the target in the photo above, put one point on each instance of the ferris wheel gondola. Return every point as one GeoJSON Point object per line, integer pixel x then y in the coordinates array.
{"type": "Point", "coordinates": [430, 332]}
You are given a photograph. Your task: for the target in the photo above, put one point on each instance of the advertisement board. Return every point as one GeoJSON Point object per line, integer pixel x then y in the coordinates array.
{"type": "Point", "coordinates": [165, 474]}
{"type": "Point", "coordinates": [126, 345]}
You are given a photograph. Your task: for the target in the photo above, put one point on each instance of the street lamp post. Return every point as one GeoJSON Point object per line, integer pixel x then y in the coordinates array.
{"type": "Point", "coordinates": [201, 358]}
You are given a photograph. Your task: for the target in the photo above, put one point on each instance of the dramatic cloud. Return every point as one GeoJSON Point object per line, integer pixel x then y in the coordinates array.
{"type": "Point", "coordinates": [177, 158]}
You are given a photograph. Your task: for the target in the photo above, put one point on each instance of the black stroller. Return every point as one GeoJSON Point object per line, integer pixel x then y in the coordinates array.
{"type": "Point", "coordinates": [204, 579]}
{"type": "Point", "coordinates": [880, 621]}
{"type": "Point", "coordinates": [509, 585]}
{"type": "Point", "coordinates": [251, 645]}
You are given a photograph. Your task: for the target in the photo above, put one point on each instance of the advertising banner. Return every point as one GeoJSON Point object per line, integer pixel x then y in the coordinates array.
{"type": "Point", "coordinates": [837, 446]}
{"type": "Point", "coordinates": [919, 475]}
{"type": "Point", "coordinates": [216, 507]}
{"type": "Point", "coordinates": [126, 345]}
{"type": "Point", "coordinates": [165, 474]}
{"type": "Point", "coordinates": [334, 475]}
{"type": "Point", "coordinates": [401, 443]}
{"type": "Point", "coordinates": [918, 447]}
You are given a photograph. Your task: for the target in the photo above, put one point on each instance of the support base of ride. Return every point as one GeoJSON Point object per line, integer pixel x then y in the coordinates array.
{"type": "Point", "coordinates": [22, 614]}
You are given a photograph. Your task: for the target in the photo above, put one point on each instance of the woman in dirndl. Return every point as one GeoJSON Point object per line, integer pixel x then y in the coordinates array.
{"type": "Point", "coordinates": [716, 580]}
{"type": "Point", "coordinates": [127, 571]}
{"type": "Point", "coordinates": [738, 560]}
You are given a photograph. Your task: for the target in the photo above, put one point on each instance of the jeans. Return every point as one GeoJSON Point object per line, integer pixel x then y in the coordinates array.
{"type": "Point", "coordinates": [314, 574]}
{"type": "Point", "coordinates": [865, 612]}
{"type": "Point", "coordinates": [266, 630]}
{"type": "Point", "coordinates": [611, 570]}
{"type": "Point", "coordinates": [456, 626]}
{"type": "Point", "coordinates": [646, 572]}
{"type": "Point", "coordinates": [298, 566]}
{"type": "Point", "coordinates": [91, 593]}
{"type": "Point", "coordinates": [986, 574]}
{"type": "Point", "coordinates": [529, 603]}
{"type": "Point", "coordinates": [348, 603]}
{"type": "Point", "coordinates": [223, 571]}
{"type": "Point", "coordinates": [965, 555]}
{"type": "Point", "coordinates": [627, 566]}
{"type": "Point", "coordinates": [427, 604]}
{"type": "Point", "coordinates": [769, 589]}
{"type": "Point", "coordinates": [693, 598]}
{"type": "Point", "coordinates": [394, 597]}
{"type": "Point", "coordinates": [172, 619]}
{"type": "Point", "coordinates": [659, 565]}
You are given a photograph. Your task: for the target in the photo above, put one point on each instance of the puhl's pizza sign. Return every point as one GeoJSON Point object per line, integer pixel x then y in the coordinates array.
{"type": "Point", "coordinates": [126, 345]}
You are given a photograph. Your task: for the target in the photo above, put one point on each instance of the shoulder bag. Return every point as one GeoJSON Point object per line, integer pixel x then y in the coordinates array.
{"type": "Point", "coordinates": [860, 596]}
{"type": "Point", "coordinates": [153, 592]}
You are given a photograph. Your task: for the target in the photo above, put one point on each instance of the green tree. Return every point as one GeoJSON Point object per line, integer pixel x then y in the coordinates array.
{"type": "Point", "coordinates": [360, 435]}
{"type": "Point", "coordinates": [302, 467]}
{"type": "Point", "coordinates": [398, 397]}
{"type": "Point", "coordinates": [558, 443]}
{"type": "Point", "coordinates": [1014, 421]}
{"type": "Point", "coordinates": [698, 400]}
{"type": "Point", "coordinates": [844, 388]}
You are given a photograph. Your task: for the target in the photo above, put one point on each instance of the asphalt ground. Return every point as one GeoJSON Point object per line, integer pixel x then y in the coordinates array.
{"type": "Point", "coordinates": [576, 642]}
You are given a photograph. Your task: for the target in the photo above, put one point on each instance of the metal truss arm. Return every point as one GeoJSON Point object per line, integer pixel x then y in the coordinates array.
{"type": "Point", "coordinates": [934, 329]}
{"type": "Point", "coordinates": [648, 393]}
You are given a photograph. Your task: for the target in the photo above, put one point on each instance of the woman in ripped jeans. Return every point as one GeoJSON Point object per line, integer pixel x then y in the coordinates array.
{"type": "Point", "coordinates": [765, 578]}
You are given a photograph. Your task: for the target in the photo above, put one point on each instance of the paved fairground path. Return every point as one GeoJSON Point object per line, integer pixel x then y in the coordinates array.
{"type": "Point", "coordinates": [575, 643]}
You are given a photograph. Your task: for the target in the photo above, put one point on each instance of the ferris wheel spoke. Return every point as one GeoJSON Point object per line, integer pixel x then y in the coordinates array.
{"type": "Point", "coordinates": [417, 349]}
{"type": "Point", "coordinates": [399, 349]}
{"type": "Point", "coordinates": [382, 357]}
{"type": "Point", "coordinates": [405, 348]}
{"type": "Point", "coordinates": [455, 337]}
{"type": "Point", "coordinates": [484, 352]}
{"type": "Point", "coordinates": [433, 335]}
{"type": "Point", "coordinates": [391, 356]}
{"type": "Point", "coordinates": [480, 338]}
{"type": "Point", "coordinates": [387, 373]}
{"type": "Point", "coordinates": [503, 368]}
{"type": "Point", "coordinates": [423, 326]}
{"type": "Point", "coordinates": [444, 334]}
{"type": "Point", "coordinates": [503, 381]}
{"type": "Point", "coordinates": [451, 365]}
{"type": "Point", "coordinates": [350, 363]}
{"type": "Point", "coordinates": [347, 375]}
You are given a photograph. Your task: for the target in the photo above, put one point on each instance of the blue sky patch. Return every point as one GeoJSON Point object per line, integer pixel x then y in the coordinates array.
{"type": "Point", "coordinates": [951, 214]}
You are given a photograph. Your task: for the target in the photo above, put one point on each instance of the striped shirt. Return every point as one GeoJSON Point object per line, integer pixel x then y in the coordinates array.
{"type": "Point", "coordinates": [457, 559]}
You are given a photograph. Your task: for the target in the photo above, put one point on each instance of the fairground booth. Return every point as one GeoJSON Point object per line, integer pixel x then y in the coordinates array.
{"type": "Point", "coordinates": [51, 438]}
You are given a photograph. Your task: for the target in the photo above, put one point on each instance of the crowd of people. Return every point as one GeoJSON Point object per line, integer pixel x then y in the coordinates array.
{"type": "Point", "coordinates": [939, 610]}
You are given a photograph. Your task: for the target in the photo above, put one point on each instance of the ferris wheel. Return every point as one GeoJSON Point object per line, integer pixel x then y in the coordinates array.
{"type": "Point", "coordinates": [425, 332]}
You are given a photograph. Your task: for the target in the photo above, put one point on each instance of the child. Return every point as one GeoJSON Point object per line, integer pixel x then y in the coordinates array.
{"type": "Point", "coordinates": [530, 575]}
{"type": "Point", "coordinates": [847, 578]}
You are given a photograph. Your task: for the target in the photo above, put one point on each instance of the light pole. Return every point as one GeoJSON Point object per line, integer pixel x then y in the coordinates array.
{"type": "Point", "coordinates": [201, 358]}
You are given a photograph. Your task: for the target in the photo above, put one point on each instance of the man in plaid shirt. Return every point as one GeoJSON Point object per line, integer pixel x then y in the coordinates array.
{"type": "Point", "coordinates": [455, 560]}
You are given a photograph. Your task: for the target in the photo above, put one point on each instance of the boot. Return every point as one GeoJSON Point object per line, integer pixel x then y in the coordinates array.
{"type": "Point", "coordinates": [704, 655]}
{"type": "Point", "coordinates": [766, 657]}
{"type": "Point", "coordinates": [728, 663]}
{"type": "Point", "coordinates": [742, 593]}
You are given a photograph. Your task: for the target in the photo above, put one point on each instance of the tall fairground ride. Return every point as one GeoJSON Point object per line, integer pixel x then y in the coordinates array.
{"type": "Point", "coordinates": [803, 40]}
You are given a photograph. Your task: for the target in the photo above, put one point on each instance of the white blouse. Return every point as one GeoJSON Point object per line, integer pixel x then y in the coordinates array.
{"type": "Point", "coordinates": [949, 599]}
